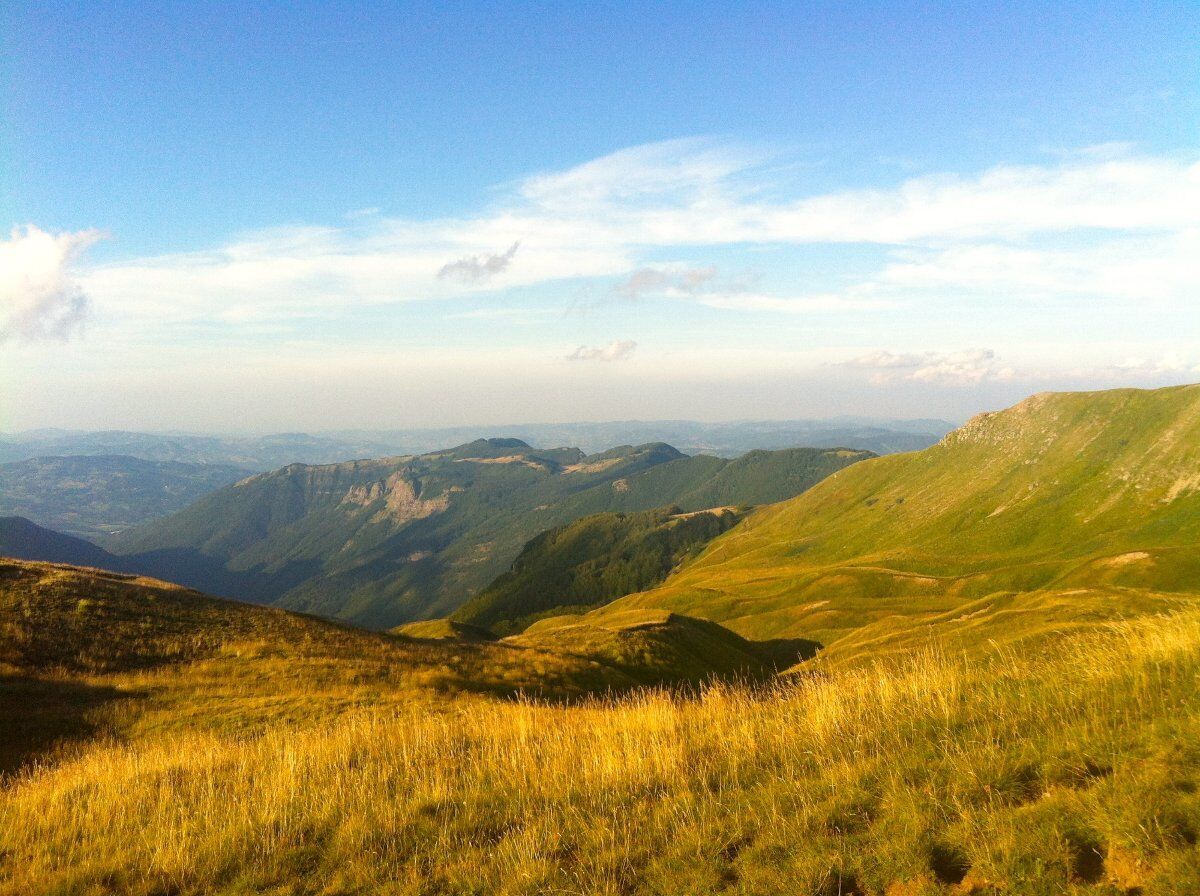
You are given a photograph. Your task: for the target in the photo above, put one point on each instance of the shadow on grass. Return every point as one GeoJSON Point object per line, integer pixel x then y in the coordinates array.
{"type": "Point", "coordinates": [37, 715]}
{"type": "Point", "coordinates": [784, 653]}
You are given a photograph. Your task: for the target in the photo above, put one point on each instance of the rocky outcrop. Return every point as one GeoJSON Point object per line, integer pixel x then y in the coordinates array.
{"type": "Point", "coordinates": [402, 501]}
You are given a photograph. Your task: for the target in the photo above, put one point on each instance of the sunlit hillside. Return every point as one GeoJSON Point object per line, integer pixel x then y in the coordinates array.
{"type": "Point", "coordinates": [1064, 509]}
{"type": "Point", "coordinates": [1069, 772]}
{"type": "Point", "coordinates": [87, 653]}
{"type": "Point", "coordinates": [84, 653]}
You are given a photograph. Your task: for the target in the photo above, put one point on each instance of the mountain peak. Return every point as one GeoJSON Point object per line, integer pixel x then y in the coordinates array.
{"type": "Point", "coordinates": [493, 447]}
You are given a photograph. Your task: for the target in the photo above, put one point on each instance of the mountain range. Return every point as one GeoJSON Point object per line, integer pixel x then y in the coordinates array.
{"type": "Point", "coordinates": [262, 453]}
{"type": "Point", "coordinates": [387, 541]}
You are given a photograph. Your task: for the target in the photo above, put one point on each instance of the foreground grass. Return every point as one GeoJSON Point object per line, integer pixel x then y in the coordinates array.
{"type": "Point", "coordinates": [1075, 771]}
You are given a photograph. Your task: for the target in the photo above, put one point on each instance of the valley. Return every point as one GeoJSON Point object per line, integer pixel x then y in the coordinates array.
{"type": "Point", "coordinates": [386, 541]}
{"type": "Point", "coordinates": [96, 496]}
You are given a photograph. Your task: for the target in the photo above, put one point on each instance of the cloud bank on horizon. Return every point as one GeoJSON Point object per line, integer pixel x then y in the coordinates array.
{"type": "Point", "coordinates": [709, 255]}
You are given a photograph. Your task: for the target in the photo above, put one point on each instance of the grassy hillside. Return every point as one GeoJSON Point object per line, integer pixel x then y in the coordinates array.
{"type": "Point", "coordinates": [654, 646]}
{"type": "Point", "coordinates": [85, 652]}
{"type": "Point", "coordinates": [590, 562]}
{"type": "Point", "coordinates": [23, 540]}
{"type": "Point", "coordinates": [1081, 504]}
{"type": "Point", "coordinates": [701, 482]}
{"type": "Point", "coordinates": [97, 496]}
{"type": "Point", "coordinates": [386, 541]}
{"type": "Point", "coordinates": [1072, 771]}
{"type": "Point", "coordinates": [981, 720]}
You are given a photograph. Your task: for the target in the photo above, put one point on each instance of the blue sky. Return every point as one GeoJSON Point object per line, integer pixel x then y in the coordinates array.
{"type": "Point", "coordinates": [304, 215]}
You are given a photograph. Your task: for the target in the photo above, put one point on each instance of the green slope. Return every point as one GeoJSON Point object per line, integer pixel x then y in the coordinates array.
{"type": "Point", "coordinates": [1081, 500]}
{"type": "Point", "coordinates": [382, 542]}
{"type": "Point", "coordinates": [592, 561]}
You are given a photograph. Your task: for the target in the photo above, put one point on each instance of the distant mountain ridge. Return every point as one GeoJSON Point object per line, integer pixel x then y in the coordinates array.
{"type": "Point", "coordinates": [387, 541]}
{"type": "Point", "coordinates": [263, 453]}
{"type": "Point", "coordinates": [22, 539]}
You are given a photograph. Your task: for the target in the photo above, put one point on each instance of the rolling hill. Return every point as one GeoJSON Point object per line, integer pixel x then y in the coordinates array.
{"type": "Point", "coordinates": [156, 741]}
{"type": "Point", "coordinates": [22, 539]}
{"type": "Point", "coordinates": [382, 542]}
{"type": "Point", "coordinates": [590, 562]}
{"type": "Point", "coordinates": [98, 496]}
{"type": "Point", "coordinates": [1065, 507]}
{"type": "Point", "coordinates": [75, 644]}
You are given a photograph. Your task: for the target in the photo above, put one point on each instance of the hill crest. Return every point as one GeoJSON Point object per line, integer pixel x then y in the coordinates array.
{"type": "Point", "coordinates": [1044, 495]}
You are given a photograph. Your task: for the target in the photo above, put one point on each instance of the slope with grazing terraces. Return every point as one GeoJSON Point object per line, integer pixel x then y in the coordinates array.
{"type": "Point", "coordinates": [1065, 508]}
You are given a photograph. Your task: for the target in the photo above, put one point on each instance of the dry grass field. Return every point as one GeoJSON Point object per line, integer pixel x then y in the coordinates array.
{"type": "Point", "coordinates": [1074, 770]}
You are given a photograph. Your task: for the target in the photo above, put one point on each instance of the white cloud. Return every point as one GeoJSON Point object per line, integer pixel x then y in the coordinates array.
{"type": "Point", "coordinates": [700, 285]}
{"type": "Point", "coordinates": [1006, 201]}
{"type": "Point", "coordinates": [478, 268]}
{"type": "Point", "coordinates": [968, 367]}
{"type": "Point", "coordinates": [885, 360]}
{"type": "Point", "coordinates": [1158, 267]}
{"type": "Point", "coordinates": [1094, 224]}
{"type": "Point", "coordinates": [1171, 363]}
{"type": "Point", "coordinates": [664, 173]}
{"type": "Point", "coordinates": [620, 350]}
{"type": "Point", "coordinates": [39, 295]}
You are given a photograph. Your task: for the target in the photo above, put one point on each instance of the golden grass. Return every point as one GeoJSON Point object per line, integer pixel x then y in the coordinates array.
{"type": "Point", "coordinates": [1074, 770]}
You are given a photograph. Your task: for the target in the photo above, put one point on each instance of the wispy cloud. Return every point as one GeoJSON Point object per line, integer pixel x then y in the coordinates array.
{"type": "Point", "coordinates": [1171, 363]}
{"type": "Point", "coordinates": [620, 350]}
{"type": "Point", "coordinates": [39, 295]}
{"type": "Point", "coordinates": [478, 268]}
{"type": "Point", "coordinates": [1106, 224]}
{"type": "Point", "coordinates": [648, 281]}
{"type": "Point", "coordinates": [968, 367]}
